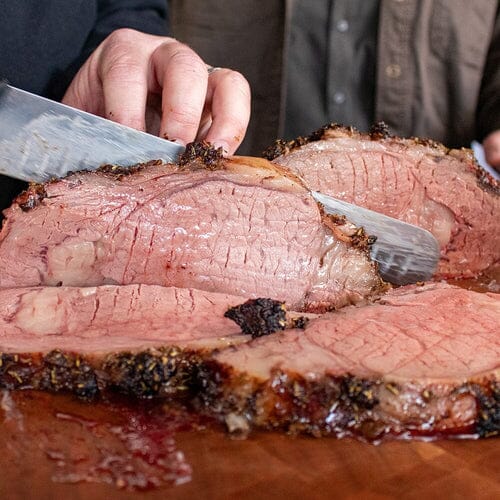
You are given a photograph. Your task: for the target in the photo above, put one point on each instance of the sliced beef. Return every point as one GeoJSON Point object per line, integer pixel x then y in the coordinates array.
{"type": "Point", "coordinates": [420, 182]}
{"type": "Point", "coordinates": [420, 360]}
{"type": "Point", "coordinates": [109, 318]}
{"type": "Point", "coordinates": [146, 339]}
{"type": "Point", "coordinates": [238, 226]}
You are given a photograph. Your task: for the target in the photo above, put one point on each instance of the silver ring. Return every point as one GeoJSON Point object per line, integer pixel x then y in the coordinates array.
{"type": "Point", "coordinates": [211, 69]}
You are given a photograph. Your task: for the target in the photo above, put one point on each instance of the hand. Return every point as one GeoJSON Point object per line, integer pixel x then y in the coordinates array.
{"type": "Point", "coordinates": [491, 146]}
{"type": "Point", "coordinates": [128, 68]}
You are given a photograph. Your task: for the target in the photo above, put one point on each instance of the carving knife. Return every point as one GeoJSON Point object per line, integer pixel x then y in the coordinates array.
{"type": "Point", "coordinates": [41, 139]}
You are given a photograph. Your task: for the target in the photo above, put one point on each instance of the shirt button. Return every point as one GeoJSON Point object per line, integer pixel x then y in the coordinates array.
{"type": "Point", "coordinates": [339, 97]}
{"type": "Point", "coordinates": [342, 25]}
{"type": "Point", "coordinates": [393, 70]}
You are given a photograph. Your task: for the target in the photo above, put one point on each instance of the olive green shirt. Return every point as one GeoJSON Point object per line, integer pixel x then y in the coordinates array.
{"type": "Point", "coordinates": [330, 68]}
{"type": "Point", "coordinates": [436, 69]}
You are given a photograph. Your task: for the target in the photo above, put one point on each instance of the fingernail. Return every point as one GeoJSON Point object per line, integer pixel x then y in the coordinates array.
{"type": "Point", "coordinates": [174, 139]}
{"type": "Point", "coordinates": [222, 144]}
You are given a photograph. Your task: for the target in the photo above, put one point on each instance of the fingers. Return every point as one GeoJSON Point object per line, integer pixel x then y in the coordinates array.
{"type": "Point", "coordinates": [491, 146]}
{"type": "Point", "coordinates": [228, 99]}
{"type": "Point", "coordinates": [124, 72]}
{"type": "Point", "coordinates": [115, 80]}
{"type": "Point", "coordinates": [129, 67]}
{"type": "Point", "coordinates": [183, 77]}
{"type": "Point", "coordinates": [85, 92]}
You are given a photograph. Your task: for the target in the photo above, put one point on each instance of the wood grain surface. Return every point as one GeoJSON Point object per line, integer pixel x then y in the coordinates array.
{"type": "Point", "coordinates": [55, 447]}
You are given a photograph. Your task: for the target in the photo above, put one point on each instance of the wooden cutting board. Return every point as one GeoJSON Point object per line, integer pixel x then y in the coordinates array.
{"type": "Point", "coordinates": [52, 445]}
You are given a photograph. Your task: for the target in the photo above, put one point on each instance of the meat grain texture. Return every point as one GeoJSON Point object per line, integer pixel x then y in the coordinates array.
{"type": "Point", "coordinates": [121, 281]}
{"type": "Point", "coordinates": [247, 228]}
{"type": "Point", "coordinates": [420, 182]}
{"type": "Point", "coordinates": [396, 366]}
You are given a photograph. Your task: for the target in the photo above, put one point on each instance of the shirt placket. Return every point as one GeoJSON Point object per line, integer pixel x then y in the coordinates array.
{"type": "Point", "coordinates": [394, 94]}
{"type": "Point", "coordinates": [340, 51]}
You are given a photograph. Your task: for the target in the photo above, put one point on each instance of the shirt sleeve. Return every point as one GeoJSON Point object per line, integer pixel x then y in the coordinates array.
{"type": "Point", "coordinates": [148, 16]}
{"type": "Point", "coordinates": [488, 112]}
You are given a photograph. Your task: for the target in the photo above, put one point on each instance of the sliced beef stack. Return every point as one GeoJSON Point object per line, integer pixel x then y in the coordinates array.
{"type": "Point", "coordinates": [421, 360]}
{"type": "Point", "coordinates": [243, 226]}
{"type": "Point", "coordinates": [126, 280]}
{"type": "Point", "coordinates": [420, 182]}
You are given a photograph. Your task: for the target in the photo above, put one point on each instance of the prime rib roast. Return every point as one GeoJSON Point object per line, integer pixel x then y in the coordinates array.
{"type": "Point", "coordinates": [421, 360]}
{"type": "Point", "coordinates": [221, 283]}
{"type": "Point", "coordinates": [418, 181]}
{"type": "Point", "coordinates": [242, 226]}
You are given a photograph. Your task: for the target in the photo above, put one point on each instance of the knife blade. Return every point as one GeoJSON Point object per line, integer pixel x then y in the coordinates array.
{"type": "Point", "coordinates": [405, 253]}
{"type": "Point", "coordinates": [41, 139]}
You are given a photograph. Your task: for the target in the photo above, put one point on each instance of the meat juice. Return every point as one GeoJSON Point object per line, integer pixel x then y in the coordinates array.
{"type": "Point", "coordinates": [127, 445]}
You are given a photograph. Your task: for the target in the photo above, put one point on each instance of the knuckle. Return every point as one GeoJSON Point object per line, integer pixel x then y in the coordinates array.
{"type": "Point", "coordinates": [117, 58]}
{"type": "Point", "coordinates": [241, 83]}
{"type": "Point", "coordinates": [122, 66]}
{"type": "Point", "coordinates": [238, 79]}
{"type": "Point", "coordinates": [237, 82]}
{"type": "Point", "coordinates": [182, 56]}
{"type": "Point", "coordinates": [122, 36]}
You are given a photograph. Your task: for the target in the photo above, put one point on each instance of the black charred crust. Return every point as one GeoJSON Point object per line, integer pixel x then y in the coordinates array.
{"type": "Point", "coordinates": [331, 405]}
{"type": "Point", "coordinates": [358, 392]}
{"type": "Point", "coordinates": [68, 373]}
{"type": "Point", "coordinates": [167, 371]}
{"type": "Point", "coordinates": [282, 147]}
{"type": "Point", "coordinates": [487, 182]}
{"type": "Point", "coordinates": [300, 322]}
{"type": "Point", "coordinates": [488, 402]}
{"type": "Point", "coordinates": [210, 388]}
{"type": "Point", "coordinates": [336, 219]}
{"type": "Point", "coordinates": [380, 130]}
{"type": "Point", "coordinates": [279, 148]}
{"type": "Point", "coordinates": [17, 372]}
{"type": "Point", "coordinates": [118, 171]}
{"type": "Point", "coordinates": [202, 155]}
{"type": "Point", "coordinates": [358, 239]}
{"type": "Point", "coordinates": [54, 372]}
{"type": "Point", "coordinates": [300, 405]}
{"type": "Point", "coordinates": [32, 197]}
{"type": "Point", "coordinates": [259, 317]}
{"type": "Point", "coordinates": [362, 240]}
